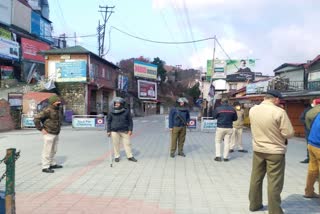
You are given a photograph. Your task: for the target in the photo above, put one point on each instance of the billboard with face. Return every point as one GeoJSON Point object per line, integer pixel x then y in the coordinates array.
{"type": "Point", "coordinates": [147, 90]}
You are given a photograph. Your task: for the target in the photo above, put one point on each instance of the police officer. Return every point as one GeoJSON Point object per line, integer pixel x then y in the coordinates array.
{"type": "Point", "coordinates": [119, 127]}
{"type": "Point", "coordinates": [48, 122]}
{"type": "Point", "coordinates": [179, 118]}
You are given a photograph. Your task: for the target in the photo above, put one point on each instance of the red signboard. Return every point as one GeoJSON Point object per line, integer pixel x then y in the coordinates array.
{"type": "Point", "coordinates": [30, 49]}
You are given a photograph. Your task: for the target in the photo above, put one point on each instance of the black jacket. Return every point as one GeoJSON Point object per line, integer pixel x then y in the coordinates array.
{"type": "Point", "coordinates": [225, 115]}
{"type": "Point", "coordinates": [119, 122]}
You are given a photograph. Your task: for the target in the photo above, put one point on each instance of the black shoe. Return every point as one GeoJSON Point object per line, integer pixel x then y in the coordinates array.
{"type": "Point", "coordinates": [231, 150]}
{"type": "Point", "coordinates": [256, 209]}
{"type": "Point", "coordinates": [243, 150]}
{"type": "Point", "coordinates": [305, 161]}
{"type": "Point", "coordinates": [48, 170]}
{"type": "Point", "coordinates": [181, 154]}
{"type": "Point", "coordinates": [117, 159]}
{"type": "Point", "coordinates": [132, 159]}
{"type": "Point", "coordinates": [217, 159]}
{"type": "Point", "coordinates": [172, 155]}
{"type": "Point", "coordinates": [56, 166]}
{"type": "Point", "coordinates": [225, 159]}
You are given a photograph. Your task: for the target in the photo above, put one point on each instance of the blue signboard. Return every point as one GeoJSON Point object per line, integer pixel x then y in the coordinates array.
{"type": "Point", "coordinates": [71, 71]}
{"type": "Point", "coordinates": [35, 23]}
{"type": "Point", "coordinates": [28, 122]}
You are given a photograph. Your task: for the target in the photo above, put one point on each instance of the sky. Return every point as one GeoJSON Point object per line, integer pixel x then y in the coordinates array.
{"type": "Point", "coordinates": [271, 31]}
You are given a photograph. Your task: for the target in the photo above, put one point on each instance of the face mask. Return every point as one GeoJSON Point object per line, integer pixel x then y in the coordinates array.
{"type": "Point", "coordinates": [238, 107]}
{"type": "Point", "coordinates": [312, 105]}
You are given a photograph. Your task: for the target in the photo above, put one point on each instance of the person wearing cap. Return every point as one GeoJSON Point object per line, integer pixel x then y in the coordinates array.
{"type": "Point", "coordinates": [119, 128]}
{"type": "Point", "coordinates": [225, 115]}
{"type": "Point", "coordinates": [313, 124]}
{"type": "Point", "coordinates": [48, 121]}
{"type": "Point", "coordinates": [302, 119]}
{"type": "Point", "coordinates": [270, 127]}
{"type": "Point", "coordinates": [236, 138]}
{"type": "Point", "coordinates": [179, 118]}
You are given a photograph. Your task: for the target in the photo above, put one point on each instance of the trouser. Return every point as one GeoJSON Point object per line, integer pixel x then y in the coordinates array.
{"type": "Point", "coordinates": [313, 170]}
{"type": "Point", "coordinates": [178, 135]}
{"type": "Point", "coordinates": [236, 139]}
{"type": "Point", "coordinates": [49, 150]}
{"type": "Point", "coordinates": [123, 137]}
{"type": "Point", "coordinates": [225, 135]}
{"type": "Point", "coordinates": [274, 166]}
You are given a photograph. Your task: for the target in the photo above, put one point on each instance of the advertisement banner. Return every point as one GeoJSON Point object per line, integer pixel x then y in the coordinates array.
{"type": "Point", "coordinates": [27, 122]}
{"type": "Point", "coordinates": [5, 34]}
{"type": "Point", "coordinates": [30, 49]}
{"type": "Point", "coordinates": [147, 90]}
{"type": "Point", "coordinates": [6, 72]}
{"type": "Point", "coordinates": [9, 49]}
{"type": "Point", "coordinates": [35, 23]}
{"type": "Point", "coordinates": [232, 66]}
{"type": "Point", "coordinates": [123, 83]}
{"type": "Point", "coordinates": [45, 30]}
{"type": "Point", "coordinates": [209, 68]}
{"type": "Point", "coordinates": [145, 70]}
{"type": "Point", "coordinates": [5, 12]}
{"type": "Point", "coordinates": [219, 69]}
{"type": "Point", "coordinates": [71, 71]}
{"type": "Point", "coordinates": [21, 15]}
{"type": "Point", "coordinates": [15, 99]}
{"type": "Point", "coordinates": [257, 87]}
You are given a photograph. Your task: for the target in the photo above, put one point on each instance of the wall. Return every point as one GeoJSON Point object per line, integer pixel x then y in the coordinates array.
{"type": "Point", "coordinates": [6, 122]}
{"type": "Point", "coordinates": [73, 95]}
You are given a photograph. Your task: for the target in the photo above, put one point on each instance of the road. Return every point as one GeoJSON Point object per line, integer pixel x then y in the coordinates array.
{"type": "Point", "coordinates": [155, 184]}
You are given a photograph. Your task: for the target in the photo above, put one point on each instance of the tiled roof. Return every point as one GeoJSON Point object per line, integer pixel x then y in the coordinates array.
{"type": "Point", "coordinates": [289, 64]}
{"type": "Point", "coordinates": [37, 96]}
{"type": "Point", "coordinates": [313, 61]}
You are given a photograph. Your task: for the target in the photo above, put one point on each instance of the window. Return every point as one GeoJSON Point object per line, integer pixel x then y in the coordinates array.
{"type": "Point", "coordinates": [103, 74]}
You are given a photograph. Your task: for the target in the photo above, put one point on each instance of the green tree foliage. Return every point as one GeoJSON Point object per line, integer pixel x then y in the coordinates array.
{"type": "Point", "coordinates": [162, 73]}
{"type": "Point", "coordinates": [194, 92]}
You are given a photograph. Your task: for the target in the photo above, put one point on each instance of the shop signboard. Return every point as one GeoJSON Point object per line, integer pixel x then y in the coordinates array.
{"type": "Point", "coordinates": [257, 87]}
{"type": "Point", "coordinates": [5, 12]}
{"type": "Point", "coordinates": [9, 49]}
{"type": "Point", "coordinates": [45, 30]}
{"type": "Point", "coordinates": [71, 71]}
{"type": "Point", "coordinates": [15, 99]}
{"type": "Point", "coordinates": [35, 23]}
{"type": "Point", "coordinates": [5, 34]}
{"type": "Point", "coordinates": [6, 72]}
{"type": "Point", "coordinates": [30, 49]}
{"type": "Point", "coordinates": [145, 70]}
{"type": "Point", "coordinates": [147, 90]}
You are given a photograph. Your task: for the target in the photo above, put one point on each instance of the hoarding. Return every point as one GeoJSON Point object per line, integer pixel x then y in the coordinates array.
{"type": "Point", "coordinates": [45, 30]}
{"type": "Point", "coordinates": [35, 23]}
{"type": "Point", "coordinates": [233, 65]}
{"type": "Point", "coordinates": [145, 70]}
{"type": "Point", "coordinates": [147, 90]}
{"type": "Point", "coordinates": [5, 34]}
{"type": "Point", "coordinates": [5, 12]}
{"type": "Point", "coordinates": [9, 49]}
{"type": "Point", "coordinates": [30, 49]}
{"type": "Point", "coordinates": [257, 87]}
{"type": "Point", "coordinates": [6, 72]}
{"type": "Point", "coordinates": [219, 69]}
{"type": "Point", "coordinates": [71, 71]}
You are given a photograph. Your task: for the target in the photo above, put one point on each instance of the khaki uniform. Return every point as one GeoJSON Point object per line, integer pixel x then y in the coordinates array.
{"type": "Point", "coordinates": [236, 138]}
{"type": "Point", "coordinates": [49, 119]}
{"type": "Point", "coordinates": [271, 127]}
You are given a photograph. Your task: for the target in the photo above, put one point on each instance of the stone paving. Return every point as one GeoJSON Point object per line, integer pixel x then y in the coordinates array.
{"type": "Point", "coordinates": [155, 184]}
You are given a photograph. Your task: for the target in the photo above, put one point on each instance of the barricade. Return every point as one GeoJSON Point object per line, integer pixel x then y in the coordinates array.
{"type": "Point", "coordinates": [89, 122]}
{"type": "Point", "coordinates": [208, 124]}
{"type": "Point", "coordinates": [27, 121]}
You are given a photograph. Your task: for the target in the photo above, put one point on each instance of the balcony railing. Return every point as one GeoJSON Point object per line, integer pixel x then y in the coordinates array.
{"type": "Point", "coordinates": [314, 85]}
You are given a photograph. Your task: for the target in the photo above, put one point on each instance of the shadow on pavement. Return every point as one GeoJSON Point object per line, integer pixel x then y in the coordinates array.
{"type": "Point", "coordinates": [294, 205]}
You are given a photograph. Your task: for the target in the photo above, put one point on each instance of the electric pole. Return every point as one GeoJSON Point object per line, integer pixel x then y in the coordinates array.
{"type": "Point", "coordinates": [106, 13]}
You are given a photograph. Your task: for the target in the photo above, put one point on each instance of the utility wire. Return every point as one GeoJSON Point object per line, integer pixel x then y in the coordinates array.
{"type": "Point", "coordinates": [161, 42]}
{"type": "Point", "coordinates": [224, 51]}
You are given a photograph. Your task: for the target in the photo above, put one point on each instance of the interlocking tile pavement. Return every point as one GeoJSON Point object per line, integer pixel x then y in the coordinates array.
{"type": "Point", "coordinates": [155, 184]}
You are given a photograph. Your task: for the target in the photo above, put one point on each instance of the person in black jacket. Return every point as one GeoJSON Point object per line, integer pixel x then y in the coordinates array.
{"type": "Point", "coordinates": [225, 115]}
{"type": "Point", "coordinates": [119, 127]}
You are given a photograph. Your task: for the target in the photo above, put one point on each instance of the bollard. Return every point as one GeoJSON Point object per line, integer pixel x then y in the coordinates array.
{"type": "Point", "coordinates": [10, 182]}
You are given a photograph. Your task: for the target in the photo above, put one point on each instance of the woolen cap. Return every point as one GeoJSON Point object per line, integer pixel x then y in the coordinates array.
{"type": "Point", "coordinates": [54, 99]}
{"type": "Point", "coordinates": [275, 93]}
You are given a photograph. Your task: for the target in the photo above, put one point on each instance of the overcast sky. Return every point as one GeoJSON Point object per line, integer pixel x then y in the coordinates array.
{"type": "Point", "coordinates": [274, 32]}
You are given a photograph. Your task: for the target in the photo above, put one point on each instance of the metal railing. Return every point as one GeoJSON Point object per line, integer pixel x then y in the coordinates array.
{"type": "Point", "coordinates": [313, 85]}
{"type": "Point", "coordinates": [10, 160]}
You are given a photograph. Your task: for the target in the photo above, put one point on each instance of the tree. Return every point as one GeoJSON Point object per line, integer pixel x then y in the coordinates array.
{"type": "Point", "coordinates": [194, 92]}
{"type": "Point", "coordinates": [162, 73]}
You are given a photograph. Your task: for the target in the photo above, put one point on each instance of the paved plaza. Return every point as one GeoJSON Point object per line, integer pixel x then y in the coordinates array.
{"type": "Point", "coordinates": [155, 184]}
